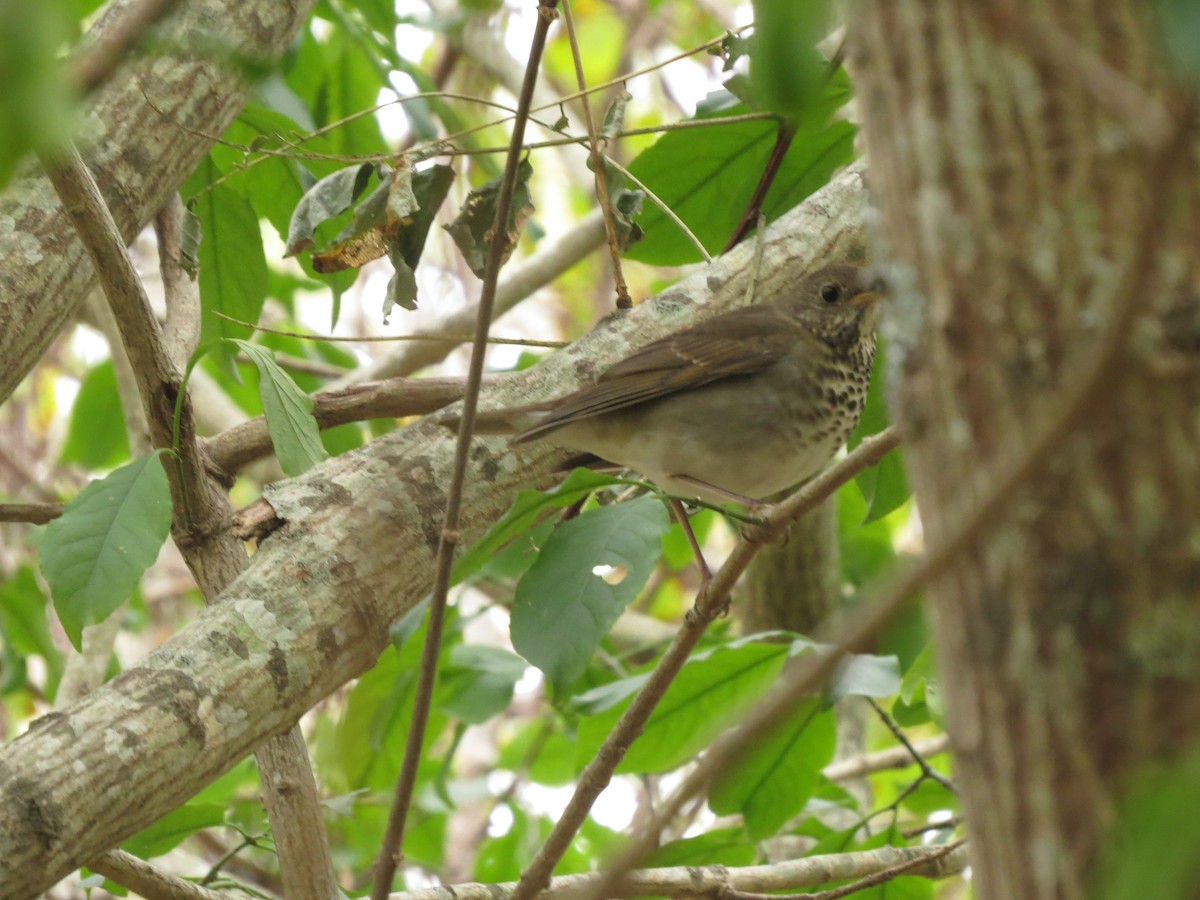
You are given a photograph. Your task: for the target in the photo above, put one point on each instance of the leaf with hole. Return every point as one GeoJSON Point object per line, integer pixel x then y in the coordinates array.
{"type": "Point", "coordinates": [94, 555]}
{"type": "Point", "coordinates": [288, 410]}
{"type": "Point", "coordinates": [589, 570]}
{"type": "Point", "coordinates": [529, 508]}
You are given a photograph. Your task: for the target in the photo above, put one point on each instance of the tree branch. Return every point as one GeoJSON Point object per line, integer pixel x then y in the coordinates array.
{"type": "Point", "coordinates": [717, 881]}
{"type": "Point", "coordinates": [33, 513]}
{"type": "Point", "coordinates": [150, 881]}
{"type": "Point", "coordinates": [390, 399]}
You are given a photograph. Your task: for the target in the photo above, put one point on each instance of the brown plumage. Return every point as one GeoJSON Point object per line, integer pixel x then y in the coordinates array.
{"type": "Point", "coordinates": [738, 407]}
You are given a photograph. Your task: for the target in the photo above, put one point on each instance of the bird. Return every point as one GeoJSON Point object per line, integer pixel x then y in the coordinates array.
{"type": "Point", "coordinates": [736, 408]}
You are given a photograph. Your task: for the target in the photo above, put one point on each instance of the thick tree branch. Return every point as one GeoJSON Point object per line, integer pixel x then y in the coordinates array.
{"type": "Point", "coordinates": [311, 609]}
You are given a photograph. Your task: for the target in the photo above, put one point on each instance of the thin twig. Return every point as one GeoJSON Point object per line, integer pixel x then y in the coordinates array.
{"type": "Point", "coordinates": [1061, 422]}
{"type": "Point", "coordinates": [436, 146]}
{"type": "Point", "coordinates": [891, 758]}
{"type": "Point", "coordinates": [32, 513]}
{"type": "Point", "coordinates": [610, 228]}
{"type": "Point", "coordinates": [714, 598]}
{"type": "Point", "coordinates": [898, 733]}
{"type": "Point", "coordinates": [448, 542]}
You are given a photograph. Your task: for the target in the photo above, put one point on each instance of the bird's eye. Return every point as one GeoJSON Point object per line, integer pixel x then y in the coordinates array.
{"type": "Point", "coordinates": [830, 293]}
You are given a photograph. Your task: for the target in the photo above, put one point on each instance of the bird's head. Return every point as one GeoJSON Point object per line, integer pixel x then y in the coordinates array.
{"type": "Point", "coordinates": [838, 303]}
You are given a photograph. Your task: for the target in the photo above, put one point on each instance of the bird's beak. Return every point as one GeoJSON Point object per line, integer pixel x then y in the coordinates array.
{"type": "Point", "coordinates": [866, 298]}
{"type": "Point", "coordinates": [875, 291]}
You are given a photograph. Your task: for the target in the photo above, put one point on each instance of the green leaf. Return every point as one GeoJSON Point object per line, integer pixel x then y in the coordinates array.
{"type": "Point", "coordinates": [94, 555]}
{"type": "Point", "coordinates": [501, 858]}
{"type": "Point", "coordinates": [96, 437]}
{"type": "Point", "coordinates": [337, 80]}
{"type": "Point", "coordinates": [771, 782]}
{"type": "Point", "coordinates": [1179, 22]}
{"type": "Point", "coordinates": [708, 182]}
{"type": "Point", "coordinates": [24, 630]}
{"type": "Point", "coordinates": [294, 431]}
{"type": "Point", "coordinates": [785, 71]}
{"type": "Point", "coordinates": [885, 486]}
{"type": "Point", "coordinates": [274, 185]}
{"type": "Point", "coordinates": [527, 509]}
{"type": "Point", "coordinates": [172, 829]}
{"type": "Point", "coordinates": [718, 847]}
{"type": "Point", "coordinates": [563, 607]}
{"type": "Point", "coordinates": [711, 691]}
{"type": "Point", "coordinates": [479, 682]}
{"type": "Point", "coordinates": [1153, 849]}
{"type": "Point", "coordinates": [233, 266]}
{"type": "Point", "coordinates": [866, 549]}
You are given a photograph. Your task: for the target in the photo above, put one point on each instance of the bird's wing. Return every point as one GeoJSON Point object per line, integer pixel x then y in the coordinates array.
{"type": "Point", "coordinates": [740, 342]}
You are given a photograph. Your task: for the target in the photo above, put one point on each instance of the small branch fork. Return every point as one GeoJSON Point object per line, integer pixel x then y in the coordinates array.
{"type": "Point", "coordinates": [927, 771]}
{"type": "Point", "coordinates": [390, 850]}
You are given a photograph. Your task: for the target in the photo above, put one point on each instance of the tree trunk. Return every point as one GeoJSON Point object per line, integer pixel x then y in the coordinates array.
{"type": "Point", "coordinates": [1018, 158]}
{"type": "Point", "coordinates": [795, 585]}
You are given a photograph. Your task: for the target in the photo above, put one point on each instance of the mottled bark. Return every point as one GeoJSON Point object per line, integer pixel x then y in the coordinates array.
{"type": "Point", "coordinates": [1015, 204]}
{"type": "Point", "coordinates": [311, 610]}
